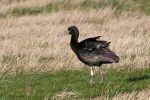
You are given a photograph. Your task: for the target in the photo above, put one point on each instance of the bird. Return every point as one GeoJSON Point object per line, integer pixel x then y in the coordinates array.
{"type": "Point", "coordinates": [91, 51]}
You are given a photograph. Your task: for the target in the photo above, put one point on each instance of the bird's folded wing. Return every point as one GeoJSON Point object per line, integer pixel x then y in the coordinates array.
{"type": "Point", "coordinates": [105, 55]}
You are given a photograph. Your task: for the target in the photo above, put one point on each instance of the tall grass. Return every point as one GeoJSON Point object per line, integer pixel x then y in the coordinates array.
{"type": "Point", "coordinates": [37, 43]}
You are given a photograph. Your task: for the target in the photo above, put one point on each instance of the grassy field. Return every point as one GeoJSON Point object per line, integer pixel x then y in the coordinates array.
{"type": "Point", "coordinates": [33, 49]}
{"type": "Point", "coordinates": [72, 84]}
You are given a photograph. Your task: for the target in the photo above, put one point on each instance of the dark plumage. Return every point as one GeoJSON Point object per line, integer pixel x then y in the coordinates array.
{"type": "Point", "coordinates": [91, 51]}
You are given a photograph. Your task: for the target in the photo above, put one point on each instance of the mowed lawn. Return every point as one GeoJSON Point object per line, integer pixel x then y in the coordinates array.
{"type": "Point", "coordinates": [72, 84]}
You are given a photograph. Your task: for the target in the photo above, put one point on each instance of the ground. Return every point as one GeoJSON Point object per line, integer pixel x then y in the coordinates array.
{"type": "Point", "coordinates": [32, 41]}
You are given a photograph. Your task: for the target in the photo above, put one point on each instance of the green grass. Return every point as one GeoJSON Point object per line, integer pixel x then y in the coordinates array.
{"type": "Point", "coordinates": [143, 5]}
{"type": "Point", "coordinates": [37, 86]}
{"type": "Point", "coordinates": [51, 7]}
{"type": "Point", "coordinates": [120, 5]}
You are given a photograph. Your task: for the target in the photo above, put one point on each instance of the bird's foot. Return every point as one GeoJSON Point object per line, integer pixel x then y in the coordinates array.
{"type": "Point", "coordinates": [102, 78]}
{"type": "Point", "coordinates": [91, 81]}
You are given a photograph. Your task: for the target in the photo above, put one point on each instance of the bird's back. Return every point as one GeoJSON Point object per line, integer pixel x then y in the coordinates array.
{"type": "Point", "coordinates": [93, 43]}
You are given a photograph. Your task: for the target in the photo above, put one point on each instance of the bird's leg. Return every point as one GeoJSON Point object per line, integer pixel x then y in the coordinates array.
{"type": "Point", "coordinates": [92, 74]}
{"type": "Point", "coordinates": [94, 70]}
{"type": "Point", "coordinates": [101, 73]}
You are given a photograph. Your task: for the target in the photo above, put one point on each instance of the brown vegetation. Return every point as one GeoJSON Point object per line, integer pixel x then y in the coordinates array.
{"type": "Point", "coordinates": [41, 45]}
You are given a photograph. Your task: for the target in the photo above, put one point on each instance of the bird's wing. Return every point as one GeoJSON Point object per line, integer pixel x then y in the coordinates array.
{"type": "Point", "coordinates": [93, 38]}
{"type": "Point", "coordinates": [97, 55]}
{"type": "Point", "coordinates": [93, 43]}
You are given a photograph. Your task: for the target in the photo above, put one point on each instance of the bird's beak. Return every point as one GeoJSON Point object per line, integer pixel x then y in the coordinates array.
{"type": "Point", "coordinates": [64, 33]}
{"type": "Point", "coordinates": [67, 32]}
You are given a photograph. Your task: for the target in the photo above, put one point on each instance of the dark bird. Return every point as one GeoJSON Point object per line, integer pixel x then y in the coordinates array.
{"type": "Point", "coordinates": [91, 51]}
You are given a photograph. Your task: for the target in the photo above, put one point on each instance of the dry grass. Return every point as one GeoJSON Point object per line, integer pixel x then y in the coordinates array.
{"type": "Point", "coordinates": [143, 95]}
{"type": "Point", "coordinates": [138, 95]}
{"type": "Point", "coordinates": [65, 95]}
{"type": "Point", "coordinates": [36, 42]}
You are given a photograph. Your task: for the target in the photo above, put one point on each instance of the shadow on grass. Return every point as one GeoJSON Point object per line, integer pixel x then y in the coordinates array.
{"type": "Point", "coordinates": [139, 78]}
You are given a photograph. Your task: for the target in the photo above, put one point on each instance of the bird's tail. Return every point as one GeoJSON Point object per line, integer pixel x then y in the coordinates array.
{"type": "Point", "coordinates": [111, 56]}
{"type": "Point", "coordinates": [116, 59]}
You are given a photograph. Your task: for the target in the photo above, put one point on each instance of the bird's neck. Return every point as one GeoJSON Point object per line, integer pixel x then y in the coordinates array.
{"type": "Point", "coordinates": [74, 43]}
{"type": "Point", "coordinates": [74, 39]}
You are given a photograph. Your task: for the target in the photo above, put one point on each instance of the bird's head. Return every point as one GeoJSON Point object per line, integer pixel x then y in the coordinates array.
{"type": "Point", "coordinates": [72, 30]}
